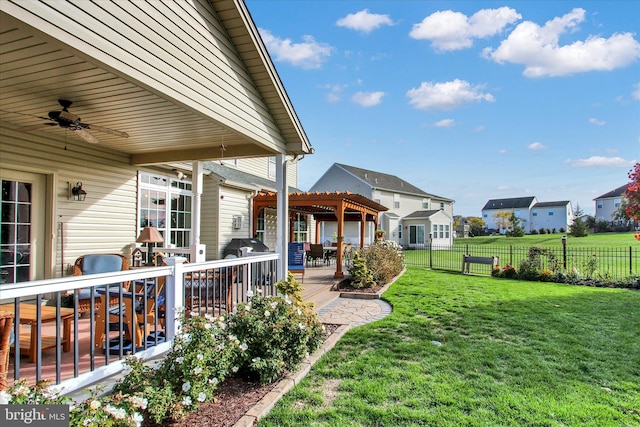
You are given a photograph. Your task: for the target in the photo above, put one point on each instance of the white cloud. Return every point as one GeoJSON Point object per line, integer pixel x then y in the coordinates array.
{"type": "Point", "coordinates": [309, 54]}
{"type": "Point", "coordinates": [536, 146]}
{"type": "Point", "coordinates": [601, 161]}
{"type": "Point", "coordinates": [444, 123]}
{"type": "Point", "coordinates": [367, 99]}
{"type": "Point", "coordinates": [479, 128]}
{"type": "Point", "coordinates": [448, 30]}
{"type": "Point", "coordinates": [597, 122]}
{"type": "Point", "coordinates": [538, 48]}
{"type": "Point", "coordinates": [335, 92]}
{"type": "Point", "coordinates": [502, 151]}
{"type": "Point", "coordinates": [446, 95]}
{"type": "Point", "coordinates": [364, 21]}
{"type": "Point", "coordinates": [636, 91]}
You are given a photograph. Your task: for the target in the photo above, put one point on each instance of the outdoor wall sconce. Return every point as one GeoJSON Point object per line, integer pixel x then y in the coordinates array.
{"type": "Point", "coordinates": [77, 193]}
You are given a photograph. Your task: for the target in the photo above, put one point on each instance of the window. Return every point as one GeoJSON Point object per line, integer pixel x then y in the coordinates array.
{"type": "Point", "coordinates": [435, 231]}
{"type": "Point", "coordinates": [616, 203]}
{"type": "Point", "coordinates": [599, 204]}
{"type": "Point", "coordinates": [300, 228]}
{"type": "Point", "coordinates": [399, 231]}
{"type": "Point", "coordinates": [416, 234]}
{"type": "Point", "coordinates": [441, 206]}
{"type": "Point", "coordinates": [161, 198]}
{"type": "Point", "coordinates": [535, 214]}
{"type": "Point", "coordinates": [484, 215]}
{"type": "Point", "coordinates": [272, 167]}
{"type": "Point", "coordinates": [260, 226]}
{"type": "Point", "coordinates": [441, 231]}
{"type": "Point", "coordinates": [446, 231]}
{"type": "Point", "coordinates": [396, 201]}
{"type": "Point", "coordinates": [550, 213]}
{"type": "Point", "coordinates": [425, 203]}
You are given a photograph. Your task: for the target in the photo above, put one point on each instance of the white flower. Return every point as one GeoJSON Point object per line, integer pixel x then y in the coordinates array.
{"type": "Point", "coordinates": [221, 319]}
{"type": "Point", "coordinates": [137, 418]}
{"type": "Point", "coordinates": [197, 370]}
{"type": "Point", "coordinates": [247, 307]}
{"type": "Point", "coordinates": [232, 338]}
{"type": "Point", "coordinates": [259, 290]}
{"type": "Point", "coordinates": [186, 338]}
{"type": "Point", "coordinates": [186, 401]}
{"type": "Point", "coordinates": [299, 312]}
{"type": "Point", "coordinates": [214, 381]}
{"type": "Point", "coordinates": [179, 360]}
{"type": "Point", "coordinates": [193, 314]}
{"type": "Point", "coordinates": [274, 304]}
{"type": "Point", "coordinates": [87, 422]}
{"type": "Point", "coordinates": [95, 404]}
{"type": "Point", "coordinates": [5, 397]}
{"type": "Point", "coordinates": [249, 293]}
{"type": "Point", "coordinates": [200, 356]}
{"type": "Point", "coordinates": [234, 369]}
{"type": "Point", "coordinates": [117, 413]}
{"type": "Point", "coordinates": [244, 346]}
{"type": "Point", "coordinates": [186, 387]}
{"type": "Point", "coordinates": [202, 397]}
{"type": "Point", "coordinates": [301, 326]}
{"type": "Point", "coordinates": [22, 390]}
{"type": "Point", "coordinates": [267, 313]}
{"type": "Point", "coordinates": [138, 402]}
{"type": "Point", "coordinates": [207, 325]}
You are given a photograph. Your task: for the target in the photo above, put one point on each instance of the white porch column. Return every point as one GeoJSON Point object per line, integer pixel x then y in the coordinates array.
{"type": "Point", "coordinates": [198, 251]}
{"type": "Point", "coordinates": [282, 233]}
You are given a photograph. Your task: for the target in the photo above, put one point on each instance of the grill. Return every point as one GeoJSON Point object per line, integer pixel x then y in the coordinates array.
{"type": "Point", "coordinates": [233, 248]}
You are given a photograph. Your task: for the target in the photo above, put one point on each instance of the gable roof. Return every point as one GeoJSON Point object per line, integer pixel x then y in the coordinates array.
{"type": "Point", "coordinates": [613, 193]}
{"type": "Point", "coordinates": [237, 178]}
{"type": "Point", "coordinates": [561, 203]}
{"type": "Point", "coordinates": [512, 203]}
{"type": "Point", "coordinates": [383, 181]}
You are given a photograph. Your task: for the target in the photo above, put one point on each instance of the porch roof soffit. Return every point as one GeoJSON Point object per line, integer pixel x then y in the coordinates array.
{"type": "Point", "coordinates": [50, 56]}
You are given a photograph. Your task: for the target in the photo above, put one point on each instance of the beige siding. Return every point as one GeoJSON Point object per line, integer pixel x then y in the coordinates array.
{"type": "Point", "coordinates": [232, 202]}
{"type": "Point", "coordinates": [106, 221]}
{"type": "Point", "coordinates": [259, 166]}
{"type": "Point", "coordinates": [209, 226]}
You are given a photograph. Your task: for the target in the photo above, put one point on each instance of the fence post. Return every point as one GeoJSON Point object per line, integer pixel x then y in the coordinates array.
{"type": "Point", "coordinates": [174, 296]}
{"type": "Point", "coordinates": [630, 260]}
{"type": "Point", "coordinates": [430, 254]}
{"type": "Point", "coordinates": [511, 254]}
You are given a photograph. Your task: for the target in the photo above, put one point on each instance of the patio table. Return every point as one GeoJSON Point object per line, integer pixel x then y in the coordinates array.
{"type": "Point", "coordinates": [28, 316]}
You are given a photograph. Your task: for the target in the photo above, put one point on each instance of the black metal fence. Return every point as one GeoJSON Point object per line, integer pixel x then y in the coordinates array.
{"type": "Point", "coordinates": [613, 263]}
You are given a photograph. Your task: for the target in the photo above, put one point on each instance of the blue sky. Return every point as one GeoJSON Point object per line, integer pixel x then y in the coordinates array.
{"type": "Point", "coordinates": [469, 100]}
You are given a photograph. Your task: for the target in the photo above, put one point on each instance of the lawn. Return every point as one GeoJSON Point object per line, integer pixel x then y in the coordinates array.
{"type": "Point", "coordinates": [478, 351]}
{"type": "Point", "coordinates": [601, 240]}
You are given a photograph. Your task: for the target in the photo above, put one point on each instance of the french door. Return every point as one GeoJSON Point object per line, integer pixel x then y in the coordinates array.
{"type": "Point", "coordinates": [22, 242]}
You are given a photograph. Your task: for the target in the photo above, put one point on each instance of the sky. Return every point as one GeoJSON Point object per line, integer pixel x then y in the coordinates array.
{"type": "Point", "coordinates": [468, 100]}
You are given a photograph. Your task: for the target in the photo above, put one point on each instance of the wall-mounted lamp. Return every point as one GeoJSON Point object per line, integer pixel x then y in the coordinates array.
{"type": "Point", "coordinates": [77, 193]}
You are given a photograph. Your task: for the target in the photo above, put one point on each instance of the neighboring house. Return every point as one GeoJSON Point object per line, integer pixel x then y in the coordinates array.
{"type": "Point", "coordinates": [551, 215]}
{"type": "Point", "coordinates": [413, 216]}
{"type": "Point", "coordinates": [533, 215]}
{"type": "Point", "coordinates": [521, 206]}
{"type": "Point", "coordinates": [608, 203]}
{"type": "Point", "coordinates": [161, 88]}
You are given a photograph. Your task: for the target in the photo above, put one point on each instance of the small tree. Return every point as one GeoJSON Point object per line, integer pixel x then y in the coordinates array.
{"type": "Point", "coordinates": [516, 230]}
{"type": "Point", "coordinates": [578, 228]}
{"type": "Point", "coordinates": [476, 224]}
{"type": "Point", "coordinates": [502, 219]}
{"type": "Point", "coordinates": [632, 194]}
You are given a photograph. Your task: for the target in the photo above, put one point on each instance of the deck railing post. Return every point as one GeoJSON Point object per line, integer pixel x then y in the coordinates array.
{"type": "Point", "coordinates": [174, 296]}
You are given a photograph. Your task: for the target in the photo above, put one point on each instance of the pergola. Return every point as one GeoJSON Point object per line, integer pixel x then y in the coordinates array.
{"type": "Point", "coordinates": [325, 206]}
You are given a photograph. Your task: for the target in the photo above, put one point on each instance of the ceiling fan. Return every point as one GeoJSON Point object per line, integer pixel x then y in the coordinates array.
{"type": "Point", "coordinates": [68, 120]}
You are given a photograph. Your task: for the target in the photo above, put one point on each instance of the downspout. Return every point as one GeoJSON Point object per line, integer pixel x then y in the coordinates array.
{"type": "Point", "coordinates": [282, 214]}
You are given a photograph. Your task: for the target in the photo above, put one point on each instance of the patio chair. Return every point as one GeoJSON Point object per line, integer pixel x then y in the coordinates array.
{"type": "Point", "coordinates": [316, 252]}
{"type": "Point", "coordinates": [95, 264]}
{"type": "Point", "coordinates": [296, 259]}
{"type": "Point", "coordinates": [6, 327]}
{"type": "Point", "coordinates": [137, 310]}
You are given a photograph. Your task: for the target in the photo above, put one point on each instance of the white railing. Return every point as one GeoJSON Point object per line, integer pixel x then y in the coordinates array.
{"type": "Point", "coordinates": [62, 346]}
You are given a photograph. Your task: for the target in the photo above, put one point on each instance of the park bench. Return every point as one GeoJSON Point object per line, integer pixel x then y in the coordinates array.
{"type": "Point", "coordinates": [467, 260]}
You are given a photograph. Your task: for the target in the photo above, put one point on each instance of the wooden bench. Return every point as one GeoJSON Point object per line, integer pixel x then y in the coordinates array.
{"type": "Point", "coordinates": [467, 260]}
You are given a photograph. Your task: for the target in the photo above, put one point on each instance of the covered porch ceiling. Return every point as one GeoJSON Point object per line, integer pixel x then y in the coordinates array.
{"type": "Point", "coordinates": [40, 65]}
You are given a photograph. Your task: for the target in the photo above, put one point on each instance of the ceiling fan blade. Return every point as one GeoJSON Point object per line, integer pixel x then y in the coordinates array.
{"type": "Point", "coordinates": [86, 135]}
{"type": "Point", "coordinates": [34, 127]}
{"type": "Point", "coordinates": [105, 130]}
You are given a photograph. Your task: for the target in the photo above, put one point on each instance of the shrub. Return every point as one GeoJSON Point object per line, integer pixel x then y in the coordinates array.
{"type": "Point", "coordinates": [509, 272]}
{"type": "Point", "coordinates": [384, 260]}
{"type": "Point", "coordinates": [361, 276]}
{"type": "Point", "coordinates": [278, 334]}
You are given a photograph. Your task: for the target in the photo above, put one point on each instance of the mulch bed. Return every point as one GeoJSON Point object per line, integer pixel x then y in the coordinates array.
{"type": "Point", "coordinates": [234, 397]}
{"type": "Point", "coordinates": [345, 286]}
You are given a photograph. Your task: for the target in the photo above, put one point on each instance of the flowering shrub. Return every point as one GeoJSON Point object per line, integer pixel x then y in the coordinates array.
{"type": "Point", "coordinates": [278, 333]}
{"type": "Point", "coordinates": [115, 410]}
{"type": "Point", "coordinates": [509, 272]}
{"type": "Point", "coordinates": [384, 260]}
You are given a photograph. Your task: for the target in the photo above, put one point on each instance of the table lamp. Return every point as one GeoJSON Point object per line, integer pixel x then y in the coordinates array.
{"type": "Point", "coordinates": [150, 236]}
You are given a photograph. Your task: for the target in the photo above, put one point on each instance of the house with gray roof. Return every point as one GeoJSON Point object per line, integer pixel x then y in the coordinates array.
{"type": "Point", "coordinates": [533, 215]}
{"type": "Point", "coordinates": [608, 203]}
{"type": "Point", "coordinates": [414, 216]}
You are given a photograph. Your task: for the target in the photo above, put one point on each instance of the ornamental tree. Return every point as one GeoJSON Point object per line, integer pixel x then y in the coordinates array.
{"type": "Point", "coordinates": [632, 194]}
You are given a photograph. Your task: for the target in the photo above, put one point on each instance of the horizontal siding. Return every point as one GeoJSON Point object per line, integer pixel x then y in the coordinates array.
{"type": "Point", "coordinates": [232, 202]}
{"type": "Point", "coordinates": [209, 218]}
{"type": "Point", "coordinates": [106, 221]}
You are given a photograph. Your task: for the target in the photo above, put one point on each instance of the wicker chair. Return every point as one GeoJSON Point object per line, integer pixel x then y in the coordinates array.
{"type": "Point", "coordinates": [6, 325]}
{"type": "Point", "coordinates": [93, 264]}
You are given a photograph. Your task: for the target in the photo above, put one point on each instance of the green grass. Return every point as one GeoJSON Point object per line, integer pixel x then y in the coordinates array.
{"type": "Point", "coordinates": [513, 353]}
{"type": "Point", "coordinates": [601, 240]}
